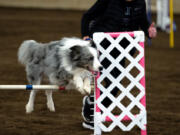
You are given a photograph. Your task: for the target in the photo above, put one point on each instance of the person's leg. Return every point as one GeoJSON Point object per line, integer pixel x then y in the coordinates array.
{"type": "Point", "coordinates": [88, 108]}
{"type": "Point", "coordinates": [88, 112]}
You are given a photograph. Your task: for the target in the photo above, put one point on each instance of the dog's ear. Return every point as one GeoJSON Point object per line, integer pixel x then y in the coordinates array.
{"type": "Point", "coordinates": [75, 53]}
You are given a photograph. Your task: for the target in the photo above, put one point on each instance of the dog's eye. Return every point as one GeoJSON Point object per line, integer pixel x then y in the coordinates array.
{"type": "Point", "coordinates": [91, 58]}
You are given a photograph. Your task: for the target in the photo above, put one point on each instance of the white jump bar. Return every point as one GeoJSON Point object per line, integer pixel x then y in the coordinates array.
{"type": "Point", "coordinates": [30, 87]}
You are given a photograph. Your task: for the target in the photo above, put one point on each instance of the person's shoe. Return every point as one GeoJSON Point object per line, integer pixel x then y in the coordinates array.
{"type": "Point", "coordinates": [87, 109]}
{"type": "Point", "coordinates": [88, 125]}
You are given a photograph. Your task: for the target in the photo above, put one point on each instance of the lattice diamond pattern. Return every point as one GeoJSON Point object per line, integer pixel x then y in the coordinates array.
{"type": "Point", "coordinates": [113, 52]}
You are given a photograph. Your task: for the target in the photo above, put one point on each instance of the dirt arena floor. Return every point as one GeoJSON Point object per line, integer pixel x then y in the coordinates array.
{"type": "Point", "coordinates": [16, 25]}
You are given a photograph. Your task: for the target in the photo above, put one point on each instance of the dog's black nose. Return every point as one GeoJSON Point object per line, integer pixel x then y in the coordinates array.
{"type": "Point", "coordinates": [100, 68]}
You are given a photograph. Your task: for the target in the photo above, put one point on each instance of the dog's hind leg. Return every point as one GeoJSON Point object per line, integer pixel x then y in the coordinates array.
{"type": "Point", "coordinates": [30, 104]}
{"type": "Point", "coordinates": [50, 103]}
{"type": "Point", "coordinates": [34, 76]}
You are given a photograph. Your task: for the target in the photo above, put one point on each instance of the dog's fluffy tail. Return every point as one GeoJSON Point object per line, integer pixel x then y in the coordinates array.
{"type": "Point", "coordinates": [25, 51]}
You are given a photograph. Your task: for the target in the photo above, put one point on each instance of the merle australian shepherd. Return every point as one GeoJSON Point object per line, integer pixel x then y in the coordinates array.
{"type": "Point", "coordinates": [66, 62]}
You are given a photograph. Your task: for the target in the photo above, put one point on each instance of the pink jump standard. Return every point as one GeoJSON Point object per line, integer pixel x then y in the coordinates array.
{"type": "Point", "coordinates": [113, 49]}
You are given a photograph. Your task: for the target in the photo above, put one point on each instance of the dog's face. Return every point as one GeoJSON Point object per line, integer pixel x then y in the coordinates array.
{"type": "Point", "coordinates": [85, 57]}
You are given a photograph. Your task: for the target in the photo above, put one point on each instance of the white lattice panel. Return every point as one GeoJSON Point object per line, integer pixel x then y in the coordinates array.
{"type": "Point", "coordinates": [112, 52]}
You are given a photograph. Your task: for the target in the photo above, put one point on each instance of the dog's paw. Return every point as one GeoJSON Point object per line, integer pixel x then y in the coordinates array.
{"type": "Point", "coordinates": [50, 106]}
{"type": "Point", "coordinates": [29, 108]}
{"type": "Point", "coordinates": [87, 89]}
{"type": "Point", "coordinates": [79, 87]}
{"type": "Point", "coordinates": [81, 90]}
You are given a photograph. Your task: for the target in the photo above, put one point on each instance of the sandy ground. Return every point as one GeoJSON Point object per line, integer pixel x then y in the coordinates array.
{"type": "Point", "coordinates": [16, 25]}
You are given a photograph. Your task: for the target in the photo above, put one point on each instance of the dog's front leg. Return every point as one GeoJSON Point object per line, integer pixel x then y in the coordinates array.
{"type": "Point", "coordinates": [87, 85]}
{"type": "Point", "coordinates": [78, 83]}
{"type": "Point", "coordinates": [70, 85]}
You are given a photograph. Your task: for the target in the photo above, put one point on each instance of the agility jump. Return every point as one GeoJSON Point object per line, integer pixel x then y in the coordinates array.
{"type": "Point", "coordinates": [117, 112]}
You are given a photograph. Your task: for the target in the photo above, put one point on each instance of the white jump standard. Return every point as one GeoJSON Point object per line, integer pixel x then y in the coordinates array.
{"type": "Point", "coordinates": [105, 114]}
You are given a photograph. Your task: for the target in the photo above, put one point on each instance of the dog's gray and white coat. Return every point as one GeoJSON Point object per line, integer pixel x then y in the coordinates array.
{"type": "Point", "coordinates": [66, 62]}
